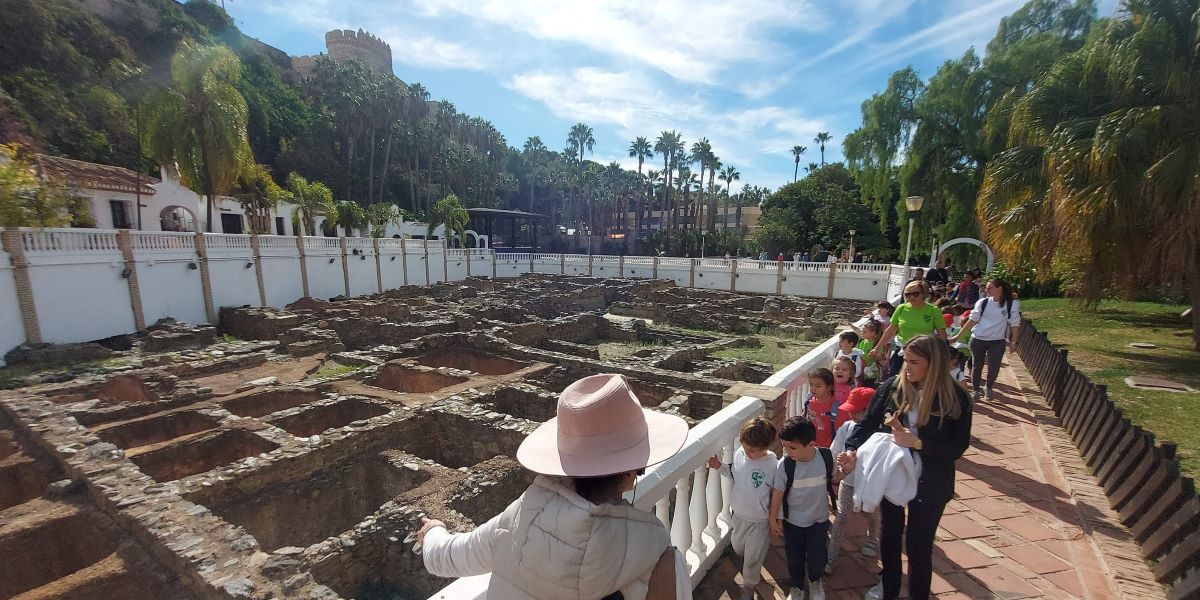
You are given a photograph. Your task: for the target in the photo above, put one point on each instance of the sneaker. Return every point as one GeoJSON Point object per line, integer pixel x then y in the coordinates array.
{"type": "Point", "coordinates": [829, 568]}
{"type": "Point", "coordinates": [987, 393]}
{"type": "Point", "coordinates": [870, 548]}
{"type": "Point", "coordinates": [976, 394]}
{"type": "Point", "coordinates": [796, 594]}
{"type": "Point", "coordinates": [747, 593]}
{"type": "Point", "coordinates": [816, 590]}
{"type": "Point", "coordinates": [875, 593]}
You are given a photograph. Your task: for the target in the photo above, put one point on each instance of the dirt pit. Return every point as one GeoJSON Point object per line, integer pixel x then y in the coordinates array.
{"type": "Point", "coordinates": [154, 430]}
{"type": "Point", "coordinates": [471, 360]}
{"type": "Point", "coordinates": [261, 403]}
{"type": "Point", "coordinates": [407, 380]}
{"type": "Point", "coordinates": [201, 454]}
{"type": "Point", "coordinates": [323, 504]}
{"type": "Point", "coordinates": [320, 418]}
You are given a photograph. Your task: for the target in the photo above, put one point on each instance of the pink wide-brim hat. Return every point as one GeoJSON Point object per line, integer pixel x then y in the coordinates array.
{"type": "Point", "coordinates": [601, 429]}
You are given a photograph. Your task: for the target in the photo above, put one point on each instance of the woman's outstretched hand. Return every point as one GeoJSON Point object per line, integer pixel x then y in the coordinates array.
{"type": "Point", "coordinates": [426, 525]}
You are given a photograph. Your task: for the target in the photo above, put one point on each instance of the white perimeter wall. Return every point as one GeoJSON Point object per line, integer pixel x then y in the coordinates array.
{"type": "Point", "coordinates": [12, 332]}
{"type": "Point", "coordinates": [80, 293]}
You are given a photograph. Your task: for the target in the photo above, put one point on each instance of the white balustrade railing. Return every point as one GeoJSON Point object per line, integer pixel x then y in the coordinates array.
{"type": "Point", "coordinates": [164, 240]}
{"type": "Point", "coordinates": [321, 243]}
{"type": "Point", "coordinates": [276, 242]}
{"type": "Point", "coordinates": [226, 241]}
{"type": "Point", "coordinates": [68, 241]}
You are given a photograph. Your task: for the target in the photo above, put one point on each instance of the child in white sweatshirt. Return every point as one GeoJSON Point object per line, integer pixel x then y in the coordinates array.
{"type": "Point", "coordinates": [856, 407]}
{"type": "Point", "coordinates": [752, 467]}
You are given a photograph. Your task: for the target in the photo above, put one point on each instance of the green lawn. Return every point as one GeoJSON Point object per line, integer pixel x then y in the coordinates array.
{"type": "Point", "coordinates": [776, 350]}
{"type": "Point", "coordinates": [1098, 345]}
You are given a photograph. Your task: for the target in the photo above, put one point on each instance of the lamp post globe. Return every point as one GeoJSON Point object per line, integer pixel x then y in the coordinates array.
{"type": "Point", "coordinates": [913, 203]}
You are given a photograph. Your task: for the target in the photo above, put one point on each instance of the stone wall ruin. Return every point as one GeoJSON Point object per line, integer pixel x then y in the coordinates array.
{"type": "Point", "coordinates": [294, 461]}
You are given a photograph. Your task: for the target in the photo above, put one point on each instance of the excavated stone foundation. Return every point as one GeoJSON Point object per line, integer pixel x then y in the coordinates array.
{"type": "Point", "coordinates": [289, 467]}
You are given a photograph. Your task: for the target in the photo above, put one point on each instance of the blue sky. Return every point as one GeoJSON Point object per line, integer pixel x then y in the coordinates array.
{"type": "Point", "coordinates": [753, 76]}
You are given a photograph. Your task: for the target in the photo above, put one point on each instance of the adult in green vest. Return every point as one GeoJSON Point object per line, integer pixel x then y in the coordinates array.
{"type": "Point", "coordinates": [912, 318]}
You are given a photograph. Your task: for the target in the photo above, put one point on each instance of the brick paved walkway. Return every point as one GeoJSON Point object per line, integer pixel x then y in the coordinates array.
{"type": "Point", "coordinates": [1027, 521]}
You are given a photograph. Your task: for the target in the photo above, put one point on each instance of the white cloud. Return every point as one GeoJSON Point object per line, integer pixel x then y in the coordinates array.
{"type": "Point", "coordinates": [431, 52]}
{"type": "Point", "coordinates": [636, 106]}
{"type": "Point", "coordinates": [691, 40]}
{"type": "Point", "coordinates": [956, 31]}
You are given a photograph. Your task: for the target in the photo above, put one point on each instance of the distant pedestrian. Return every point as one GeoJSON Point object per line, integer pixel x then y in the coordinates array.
{"type": "Point", "coordinates": [967, 292]}
{"type": "Point", "coordinates": [804, 257]}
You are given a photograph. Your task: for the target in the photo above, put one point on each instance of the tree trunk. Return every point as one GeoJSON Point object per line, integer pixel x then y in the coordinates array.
{"type": "Point", "coordinates": [371, 170]}
{"type": "Point", "coordinates": [387, 155]}
{"type": "Point", "coordinates": [1193, 283]}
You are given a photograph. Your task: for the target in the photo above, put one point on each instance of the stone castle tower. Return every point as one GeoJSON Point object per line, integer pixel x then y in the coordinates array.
{"type": "Point", "coordinates": [344, 44]}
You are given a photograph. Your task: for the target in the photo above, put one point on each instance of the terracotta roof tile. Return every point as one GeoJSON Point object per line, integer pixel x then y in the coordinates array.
{"type": "Point", "coordinates": [92, 176]}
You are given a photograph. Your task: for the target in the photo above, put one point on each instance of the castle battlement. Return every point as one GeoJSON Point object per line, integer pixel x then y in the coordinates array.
{"type": "Point", "coordinates": [347, 44]}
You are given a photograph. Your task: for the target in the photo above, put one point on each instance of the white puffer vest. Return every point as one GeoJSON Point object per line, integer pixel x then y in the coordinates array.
{"type": "Point", "coordinates": [553, 544]}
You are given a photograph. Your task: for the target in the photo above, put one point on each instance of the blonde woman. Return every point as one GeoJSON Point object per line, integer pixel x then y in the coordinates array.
{"type": "Point", "coordinates": [929, 413]}
{"type": "Point", "coordinates": [912, 318]}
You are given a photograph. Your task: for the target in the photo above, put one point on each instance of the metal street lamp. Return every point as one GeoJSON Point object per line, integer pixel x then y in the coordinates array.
{"type": "Point", "coordinates": [913, 203]}
{"type": "Point", "coordinates": [852, 232]}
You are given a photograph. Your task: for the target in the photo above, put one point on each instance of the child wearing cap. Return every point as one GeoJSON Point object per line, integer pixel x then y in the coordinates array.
{"type": "Point", "coordinates": [856, 407]}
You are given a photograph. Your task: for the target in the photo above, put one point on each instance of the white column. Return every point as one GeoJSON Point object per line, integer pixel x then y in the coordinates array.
{"type": "Point", "coordinates": [715, 503]}
{"type": "Point", "coordinates": [727, 483]}
{"type": "Point", "coordinates": [662, 510]}
{"type": "Point", "coordinates": [681, 528]}
{"type": "Point", "coordinates": [698, 511]}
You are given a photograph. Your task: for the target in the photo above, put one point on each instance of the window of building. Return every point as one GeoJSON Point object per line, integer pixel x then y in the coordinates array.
{"type": "Point", "coordinates": [120, 214]}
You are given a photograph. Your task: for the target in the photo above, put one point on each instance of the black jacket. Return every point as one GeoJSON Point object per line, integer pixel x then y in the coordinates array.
{"type": "Point", "coordinates": [943, 442]}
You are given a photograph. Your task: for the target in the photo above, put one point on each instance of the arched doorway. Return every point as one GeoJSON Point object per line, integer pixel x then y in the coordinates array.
{"type": "Point", "coordinates": [991, 258]}
{"type": "Point", "coordinates": [177, 218]}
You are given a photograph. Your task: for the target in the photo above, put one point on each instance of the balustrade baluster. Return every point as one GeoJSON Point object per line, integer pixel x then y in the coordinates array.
{"type": "Point", "coordinates": [726, 482]}
{"type": "Point", "coordinates": [681, 527]}
{"type": "Point", "coordinates": [698, 510]}
{"type": "Point", "coordinates": [662, 510]}
{"type": "Point", "coordinates": [715, 501]}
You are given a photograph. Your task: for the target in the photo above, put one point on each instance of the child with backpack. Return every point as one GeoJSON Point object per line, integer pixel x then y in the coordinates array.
{"type": "Point", "coordinates": [856, 407]}
{"type": "Point", "coordinates": [801, 493]}
{"type": "Point", "coordinates": [754, 464]}
{"type": "Point", "coordinates": [820, 407]}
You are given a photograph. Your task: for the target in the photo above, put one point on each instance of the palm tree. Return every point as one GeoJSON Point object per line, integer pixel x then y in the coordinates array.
{"type": "Point", "coordinates": [310, 199]}
{"type": "Point", "coordinates": [796, 152]}
{"type": "Point", "coordinates": [811, 167]}
{"type": "Point", "coordinates": [580, 138]}
{"type": "Point", "coordinates": [197, 124]}
{"type": "Point", "coordinates": [701, 153]}
{"type": "Point", "coordinates": [641, 150]}
{"type": "Point", "coordinates": [821, 139]}
{"type": "Point", "coordinates": [449, 211]}
{"type": "Point", "coordinates": [351, 216]}
{"type": "Point", "coordinates": [1101, 173]}
{"type": "Point", "coordinates": [729, 175]}
{"type": "Point", "coordinates": [669, 144]}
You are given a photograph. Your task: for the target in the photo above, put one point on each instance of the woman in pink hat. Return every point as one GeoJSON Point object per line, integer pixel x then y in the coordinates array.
{"type": "Point", "coordinates": [571, 535]}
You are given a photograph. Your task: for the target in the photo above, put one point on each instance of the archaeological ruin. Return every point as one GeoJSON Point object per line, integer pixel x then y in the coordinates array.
{"type": "Point", "coordinates": [289, 453]}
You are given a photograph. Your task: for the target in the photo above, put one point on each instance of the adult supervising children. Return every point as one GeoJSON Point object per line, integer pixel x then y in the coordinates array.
{"type": "Point", "coordinates": [994, 320]}
{"type": "Point", "coordinates": [912, 318]}
{"type": "Point", "coordinates": [927, 412]}
{"type": "Point", "coordinates": [572, 534]}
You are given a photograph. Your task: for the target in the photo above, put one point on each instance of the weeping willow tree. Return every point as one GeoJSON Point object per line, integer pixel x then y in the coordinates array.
{"type": "Point", "coordinates": [929, 138]}
{"type": "Point", "coordinates": [1102, 171]}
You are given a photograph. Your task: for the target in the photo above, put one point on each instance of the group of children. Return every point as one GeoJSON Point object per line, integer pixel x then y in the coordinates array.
{"type": "Point", "coordinates": [793, 498]}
